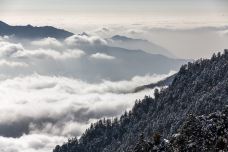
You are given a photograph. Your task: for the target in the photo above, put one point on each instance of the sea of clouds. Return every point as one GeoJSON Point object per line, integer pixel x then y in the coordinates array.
{"type": "Point", "coordinates": [43, 102]}
{"type": "Point", "coordinates": [36, 110]}
{"type": "Point", "coordinates": [184, 40]}
{"type": "Point", "coordinates": [41, 108]}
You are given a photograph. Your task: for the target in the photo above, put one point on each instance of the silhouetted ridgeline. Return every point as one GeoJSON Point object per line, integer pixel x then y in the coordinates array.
{"type": "Point", "coordinates": [198, 88]}
{"type": "Point", "coordinates": [33, 32]}
{"type": "Point", "coordinates": [139, 44]}
{"type": "Point", "coordinates": [165, 82]}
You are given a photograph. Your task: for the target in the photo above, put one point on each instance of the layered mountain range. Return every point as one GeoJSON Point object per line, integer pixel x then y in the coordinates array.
{"type": "Point", "coordinates": [133, 43]}
{"type": "Point", "coordinates": [93, 58]}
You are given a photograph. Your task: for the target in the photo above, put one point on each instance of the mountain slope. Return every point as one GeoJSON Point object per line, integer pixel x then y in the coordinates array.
{"type": "Point", "coordinates": [135, 44]}
{"type": "Point", "coordinates": [203, 133]}
{"type": "Point", "coordinates": [33, 32]}
{"type": "Point", "coordinates": [92, 58]}
{"type": "Point", "coordinates": [198, 133]}
{"type": "Point", "coordinates": [124, 63]}
{"type": "Point", "coordinates": [166, 82]}
{"type": "Point", "coordinates": [198, 88]}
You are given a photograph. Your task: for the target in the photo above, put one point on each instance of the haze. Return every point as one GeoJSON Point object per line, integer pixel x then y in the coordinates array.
{"type": "Point", "coordinates": [52, 88]}
{"type": "Point", "coordinates": [134, 15]}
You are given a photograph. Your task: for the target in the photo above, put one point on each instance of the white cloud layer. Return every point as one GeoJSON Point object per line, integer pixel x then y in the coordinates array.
{"type": "Point", "coordinates": [14, 50]}
{"type": "Point", "coordinates": [30, 143]}
{"type": "Point", "coordinates": [12, 64]}
{"type": "Point", "coordinates": [42, 104]}
{"type": "Point", "coordinates": [47, 42]}
{"type": "Point", "coordinates": [7, 49]}
{"type": "Point", "coordinates": [53, 54]}
{"type": "Point", "coordinates": [85, 40]}
{"type": "Point", "coordinates": [102, 56]}
{"type": "Point", "coordinates": [44, 110]}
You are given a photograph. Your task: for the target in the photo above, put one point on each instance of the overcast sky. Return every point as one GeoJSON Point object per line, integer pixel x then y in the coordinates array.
{"type": "Point", "coordinates": [74, 12]}
{"type": "Point", "coordinates": [132, 16]}
{"type": "Point", "coordinates": [49, 72]}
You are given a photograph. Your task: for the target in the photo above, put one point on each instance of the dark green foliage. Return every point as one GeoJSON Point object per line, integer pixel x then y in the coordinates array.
{"type": "Point", "coordinates": [156, 145]}
{"type": "Point", "coordinates": [198, 88]}
{"type": "Point", "coordinates": [203, 133]}
{"type": "Point", "coordinates": [197, 134]}
{"type": "Point", "coordinates": [156, 93]}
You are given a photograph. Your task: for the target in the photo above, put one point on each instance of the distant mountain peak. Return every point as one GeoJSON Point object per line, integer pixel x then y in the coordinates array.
{"type": "Point", "coordinates": [33, 32]}
{"type": "Point", "coordinates": [29, 25]}
{"type": "Point", "coordinates": [121, 38]}
{"type": "Point", "coordinates": [125, 38]}
{"type": "Point", "coordinates": [141, 44]}
{"type": "Point", "coordinates": [83, 34]}
{"type": "Point", "coordinates": [3, 23]}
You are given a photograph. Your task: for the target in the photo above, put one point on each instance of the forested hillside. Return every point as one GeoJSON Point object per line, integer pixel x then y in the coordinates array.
{"type": "Point", "coordinates": [197, 134]}
{"type": "Point", "coordinates": [198, 88]}
{"type": "Point", "coordinates": [165, 82]}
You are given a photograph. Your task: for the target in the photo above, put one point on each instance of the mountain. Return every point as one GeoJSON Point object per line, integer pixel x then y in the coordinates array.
{"type": "Point", "coordinates": [94, 60]}
{"type": "Point", "coordinates": [165, 82]}
{"type": "Point", "coordinates": [139, 44]}
{"type": "Point", "coordinates": [33, 32]}
{"type": "Point", "coordinates": [203, 133]}
{"type": "Point", "coordinates": [100, 60]}
{"type": "Point", "coordinates": [125, 63]}
{"type": "Point", "coordinates": [199, 88]}
{"type": "Point", "coordinates": [198, 133]}
{"type": "Point", "coordinates": [123, 38]}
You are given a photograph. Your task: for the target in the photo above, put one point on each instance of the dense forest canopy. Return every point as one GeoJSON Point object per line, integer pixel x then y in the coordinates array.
{"type": "Point", "coordinates": [198, 88]}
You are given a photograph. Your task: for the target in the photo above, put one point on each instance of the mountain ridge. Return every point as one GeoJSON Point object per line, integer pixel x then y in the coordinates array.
{"type": "Point", "coordinates": [137, 62]}
{"type": "Point", "coordinates": [125, 38]}
{"type": "Point", "coordinates": [135, 43]}
{"type": "Point", "coordinates": [198, 133]}
{"type": "Point", "coordinates": [198, 88]}
{"type": "Point", "coordinates": [33, 32]}
{"type": "Point", "coordinates": [162, 83]}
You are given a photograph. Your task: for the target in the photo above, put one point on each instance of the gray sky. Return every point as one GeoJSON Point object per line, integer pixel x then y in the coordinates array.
{"type": "Point", "coordinates": [110, 11]}
{"type": "Point", "coordinates": [67, 105]}
{"type": "Point", "coordinates": [124, 16]}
